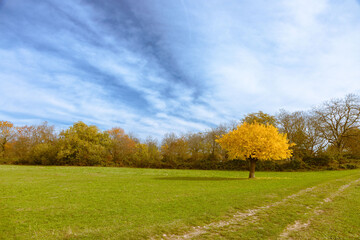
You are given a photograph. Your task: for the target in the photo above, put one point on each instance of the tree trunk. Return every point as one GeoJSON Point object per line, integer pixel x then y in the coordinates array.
{"type": "Point", "coordinates": [252, 168]}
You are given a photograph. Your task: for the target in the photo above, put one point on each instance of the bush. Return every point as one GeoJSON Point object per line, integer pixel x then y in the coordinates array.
{"type": "Point", "coordinates": [351, 166]}
{"type": "Point", "coordinates": [318, 161]}
{"type": "Point", "coordinates": [295, 164]}
{"type": "Point", "coordinates": [43, 154]}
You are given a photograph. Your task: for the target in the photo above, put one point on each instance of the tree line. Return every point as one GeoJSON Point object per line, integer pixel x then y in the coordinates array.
{"type": "Point", "coordinates": [326, 136]}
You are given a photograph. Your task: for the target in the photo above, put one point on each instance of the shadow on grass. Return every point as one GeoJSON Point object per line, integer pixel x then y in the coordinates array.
{"type": "Point", "coordinates": [199, 178]}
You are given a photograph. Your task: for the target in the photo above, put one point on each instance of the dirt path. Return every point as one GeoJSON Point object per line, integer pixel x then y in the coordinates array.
{"type": "Point", "coordinates": [237, 217]}
{"type": "Point", "coordinates": [299, 225]}
{"type": "Point", "coordinates": [250, 215]}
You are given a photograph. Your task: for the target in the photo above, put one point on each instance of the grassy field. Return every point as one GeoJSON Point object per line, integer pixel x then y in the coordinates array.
{"type": "Point", "coordinates": [121, 203]}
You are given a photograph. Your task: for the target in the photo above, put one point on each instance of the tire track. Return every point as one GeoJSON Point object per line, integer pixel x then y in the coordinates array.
{"type": "Point", "coordinates": [236, 218]}
{"type": "Point", "coordinates": [301, 225]}
{"type": "Point", "coordinates": [250, 215]}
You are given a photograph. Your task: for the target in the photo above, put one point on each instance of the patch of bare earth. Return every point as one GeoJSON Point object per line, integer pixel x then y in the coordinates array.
{"type": "Point", "coordinates": [298, 225]}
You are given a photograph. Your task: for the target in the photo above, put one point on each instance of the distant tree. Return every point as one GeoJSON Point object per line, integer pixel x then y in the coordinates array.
{"type": "Point", "coordinates": [196, 144]}
{"type": "Point", "coordinates": [154, 156]}
{"type": "Point", "coordinates": [300, 129]}
{"type": "Point", "coordinates": [24, 142]}
{"type": "Point", "coordinates": [212, 148]}
{"type": "Point", "coordinates": [44, 133]}
{"type": "Point", "coordinates": [122, 147]}
{"type": "Point", "coordinates": [140, 157]}
{"type": "Point", "coordinates": [352, 143]}
{"type": "Point", "coordinates": [7, 133]}
{"type": "Point", "coordinates": [174, 150]}
{"type": "Point", "coordinates": [83, 145]}
{"type": "Point", "coordinates": [260, 117]}
{"type": "Point", "coordinates": [256, 142]}
{"type": "Point", "coordinates": [336, 119]}
{"type": "Point", "coordinates": [36, 144]}
{"type": "Point", "coordinates": [43, 154]}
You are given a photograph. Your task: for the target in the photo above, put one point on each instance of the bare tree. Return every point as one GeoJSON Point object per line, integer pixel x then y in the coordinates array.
{"type": "Point", "coordinates": [196, 145]}
{"type": "Point", "coordinates": [213, 148]}
{"type": "Point", "coordinates": [336, 119]}
{"type": "Point", "coordinates": [301, 130]}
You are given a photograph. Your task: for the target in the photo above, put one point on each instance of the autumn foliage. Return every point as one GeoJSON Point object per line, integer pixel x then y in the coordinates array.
{"type": "Point", "coordinates": [7, 132]}
{"type": "Point", "coordinates": [256, 141]}
{"type": "Point", "coordinates": [122, 147]}
{"type": "Point", "coordinates": [327, 137]}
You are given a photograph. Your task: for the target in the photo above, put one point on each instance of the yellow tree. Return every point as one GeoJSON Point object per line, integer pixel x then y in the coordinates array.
{"type": "Point", "coordinates": [255, 142]}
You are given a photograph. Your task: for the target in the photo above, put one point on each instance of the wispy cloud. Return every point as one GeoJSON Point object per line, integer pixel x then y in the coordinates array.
{"type": "Point", "coordinates": [173, 66]}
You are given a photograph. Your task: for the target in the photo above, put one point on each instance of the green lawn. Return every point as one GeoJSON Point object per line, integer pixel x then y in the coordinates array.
{"type": "Point", "coordinates": [122, 203]}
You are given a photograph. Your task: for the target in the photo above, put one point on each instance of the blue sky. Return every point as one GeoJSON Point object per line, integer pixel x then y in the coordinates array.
{"type": "Point", "coordinates": [158, 66]}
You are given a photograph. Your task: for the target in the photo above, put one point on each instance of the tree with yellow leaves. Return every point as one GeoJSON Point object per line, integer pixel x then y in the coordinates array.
{"type": "Point", "coordinates": [255, 142]}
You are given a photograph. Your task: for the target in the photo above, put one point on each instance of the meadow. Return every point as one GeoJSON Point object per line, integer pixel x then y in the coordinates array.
{"type": "Point", "coordinates": [39, 202]}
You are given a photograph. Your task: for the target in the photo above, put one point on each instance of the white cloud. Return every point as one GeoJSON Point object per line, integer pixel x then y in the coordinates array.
{"type": "Point", "coordinates": [232, 59]}
{"type": "Point", "coordinates": [307, 52]}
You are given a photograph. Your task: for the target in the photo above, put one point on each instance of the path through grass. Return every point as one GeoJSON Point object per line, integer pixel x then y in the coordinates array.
{"type": "Point", "coordinates": [121, 203]}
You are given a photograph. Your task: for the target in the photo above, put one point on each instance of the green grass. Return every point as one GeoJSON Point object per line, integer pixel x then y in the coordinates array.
{"type": "Point", "coordinates": [309, 208]}
{"type": "Point", "coordinates": [339, 219]}
{"type": "Point", "coordinates": [121, 203]}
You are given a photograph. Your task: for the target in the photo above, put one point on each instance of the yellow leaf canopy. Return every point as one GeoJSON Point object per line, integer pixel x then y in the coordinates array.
{"type": "Point", "coordinates": [257, 141]}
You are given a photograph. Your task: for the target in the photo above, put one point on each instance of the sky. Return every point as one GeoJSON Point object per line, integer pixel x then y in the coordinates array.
{"type": "Point", "coordinates": [157, 66]}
